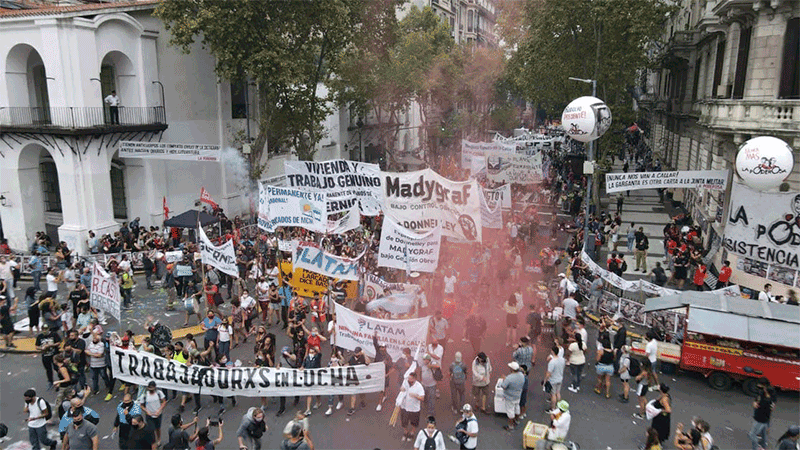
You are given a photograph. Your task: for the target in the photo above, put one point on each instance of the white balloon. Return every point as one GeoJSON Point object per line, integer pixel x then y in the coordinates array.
{"type": "Point", "coordinates": [586, 119]}
{"type": "Point", "coordinates": [764, 162]}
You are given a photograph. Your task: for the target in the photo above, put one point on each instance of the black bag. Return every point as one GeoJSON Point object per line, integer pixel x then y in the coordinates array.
{"type": "Point", "coordinates": [430, 441]}
{"type": "Point", "coordinates": [218, 299]}
{"type": "Point", "coordinates": [635, 369]}
{"type": "Point", "coordinates": [624, 265]}
{"type": "Point", "coordinates": [462, 426]}
{"type": "Point", "coordinates": [177, 441]}
{"type": "Point", "coordinates": [47, 410]}
{"type": "Point", "coordinates": [437, 374]}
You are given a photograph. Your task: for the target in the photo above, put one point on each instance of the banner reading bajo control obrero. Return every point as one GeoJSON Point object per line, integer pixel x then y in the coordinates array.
{"type": "Point", "coordinates": [140, 368]}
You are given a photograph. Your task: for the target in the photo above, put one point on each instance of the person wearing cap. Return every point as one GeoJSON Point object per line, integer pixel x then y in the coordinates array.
{"type": "Point", "coordinates": [426, 378]}
{"type": "Point", "coordinates": [81, 434]}
{"type": "Point", "coordinates": [467, 426]}
{"type": "Point", "coordinates": [36, 408]}
{"type": "Point", "coordinates": [48, 342]}
{"type": "Point", "coordinates": [429, 435]}
{"type": "Point", "coordinates": [789, 439]}
{"type": "Point", "coordinates": [512, 385]}
{"type": "Point", "coordinates": [560, 420]}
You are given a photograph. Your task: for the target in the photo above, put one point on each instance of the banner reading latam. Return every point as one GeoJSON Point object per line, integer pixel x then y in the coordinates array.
{"type": "Point", "coordinates": [422, 200]}
{"type": "Point", "coordinates": [357, 330]}
{"type": "Point", "coordinates": [140, 368]}
{"type": "Point", "coordinates": [308, 255]}
{"type": "Point", "coordinates": [344, 183]}
{"type": "Point", "coordinates": [764, 226]}
{"type": "Point", "coordinates": [706, 179]}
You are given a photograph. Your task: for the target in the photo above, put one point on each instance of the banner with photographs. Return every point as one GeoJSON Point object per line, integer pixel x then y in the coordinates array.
{"type": "Point", "coordinates": [505, 167]}
{"type": "Point", "coordinates": [778, 274]}
{"type": "Point", "coordinates": [343, 182]}
{"type": "Point", "coordinates": [696, 179]}
{"type": "Point", "coordinates": [470, 150]}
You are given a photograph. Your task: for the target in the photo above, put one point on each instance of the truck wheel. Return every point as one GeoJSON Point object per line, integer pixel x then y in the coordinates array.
{"type": "Point", "coordinates": [720, 381]}
{"type": "Point", "coordinates": [750, 387]}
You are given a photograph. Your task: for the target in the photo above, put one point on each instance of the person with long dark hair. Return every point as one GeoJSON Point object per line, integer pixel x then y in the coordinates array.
{"type": "Point", "coordinates": [203, 441]}
{"type": "Point", "coordinates": [577, 360]}
{"type": "Point", "coordinates": [661, 421]}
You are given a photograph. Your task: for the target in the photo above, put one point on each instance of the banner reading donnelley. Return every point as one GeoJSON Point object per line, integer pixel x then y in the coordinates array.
{"type": "Point", "coordinates": [422, 200]}
{"type": "Point", "coordinates": [222, 257]}
{"type": "Point", "coordinates": [140, 368]}
{"type": "Point", "coordinates": [707, 179]}
{"type": "Point", "coordinates": [309, 256]}
{"type": "Point", "coordinates": [403, 249]}
{"type": "Point", "coordinates": [344, 183]}
{"type": "Point", "coordinates": [356, 330]}
{"type": "Point", "coordinates": [764, 226]}
{"type": "Point", "coordinates": [104, 292]}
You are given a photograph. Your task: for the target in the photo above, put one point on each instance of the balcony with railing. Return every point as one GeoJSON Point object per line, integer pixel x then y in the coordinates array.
{"type": "Point", "coordinates": [751, 116]}
{"type": "Point", "coordinates": [68, 120]}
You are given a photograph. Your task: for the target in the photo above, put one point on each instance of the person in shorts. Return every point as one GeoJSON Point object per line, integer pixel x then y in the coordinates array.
{"type": "Point", "coordinates": [512, 385]}
{"type": "Point", "coordinates": [410, 406]}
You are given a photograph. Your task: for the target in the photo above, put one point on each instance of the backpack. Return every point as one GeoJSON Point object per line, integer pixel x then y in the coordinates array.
{"type": "Point", "coordinates": [47, 410]}
{"type": "Point", "coordinates": [430, 441]}
{"type": "Point", "coordinates": [634, 369]}
{"type": "Point", "coordinates": [624, 265]}
{"type": "Point", "coordinates": [463, 437]}
{"type": "Point", "coordinates": [458, 373]}
{"type": "Point", "coordinates": [612, 265]}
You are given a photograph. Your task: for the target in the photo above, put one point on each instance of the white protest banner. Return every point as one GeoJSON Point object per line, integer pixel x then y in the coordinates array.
{"type": "Point", "coordinates": [263, 208]}
{"type": "Point", "coordinates": [400, 303]}
{"type": "Point", "coordinates": [470, 150]}
{"type": "Point", "coordinates": [404, 249]}
{"type": "Point", "coordinates": [309, 256]}
{"type": "Point", "coordinates": [375, 286]}
{"type": "Point", "coordinates": [173, 256]}
{"type": "Point", "coordinates": [350, 220]}
{"type": "Point", "coordinates": [288, 207]}
{"type": "Point", "coordinates": [277, 180]}
{"type": "Point", "coordinates": [222, 257]}
{"type": "Point", "coordinates": [163, 150]}
{"type": "Point", "coordinates": [422, 200]}
{"type": "Point", "coordinates": [182, 270]}
{"type": "Point", "coordinates": [104, 292]}
{"type": "Point", "coordinates": [286, 246]}
{"type": "Point", "coordinates": [491, 216]}
{"type": "Point", "coordinates": [345, 183]}
{"type": "Point", "coordinates": [140, 368]}
{"type": "Point", "coordinates": [706, 179]}
{"type": "Point", "coordinates": [513, 168]}
{"type": "Point", "coordinates": [356, 330]}
{"type": "Point", "coordinates": [764, 226]}
{"type": "Point", "coordinates": [501, 195]}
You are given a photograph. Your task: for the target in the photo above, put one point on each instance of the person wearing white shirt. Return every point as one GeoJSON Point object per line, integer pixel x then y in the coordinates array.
{"type": "Point", "coordinates": [450, 283]}
{"type": "Point", "coordinates": [651, 350]}
{"type": "Point", "coordinates": [429, 432]}
{"type": "Point", "coordinates": [7, 275]}
{"type": "Point", "coordinates": [113, 107]}
{"type": "Point", "coordinates": [765, 295]}
{"type": "Point", "coordinates": [52, 279]}
{"type": "Point", "coordinates": [471, 429]}
{"type": "Point", "coordinates": [557, 432]}
{"type": "Point", "coordinates": [37, 421]}
{"type": "Point", "coordinates": [410, 401]}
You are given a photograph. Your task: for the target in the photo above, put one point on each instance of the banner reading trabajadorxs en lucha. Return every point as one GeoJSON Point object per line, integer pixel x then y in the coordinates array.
{"type": "Point", "coordinates": [422, 200]}
{"type": "Point", "coordinates": [344, 183]}
{"type": "Point", "coordinates": [140, 368]}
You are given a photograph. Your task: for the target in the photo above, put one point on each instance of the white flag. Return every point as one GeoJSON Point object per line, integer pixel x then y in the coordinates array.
{"type": "Point", "coordinates": [222, 257]}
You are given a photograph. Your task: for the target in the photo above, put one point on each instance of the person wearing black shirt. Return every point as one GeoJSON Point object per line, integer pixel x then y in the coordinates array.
{"type": "Point", "coordinates": [75, 348]}
{"type": "Point", "coordinates": [762, 410]}
{"type": "Point", "coordinates": [357, 359]}
{"type": "Point", "coordinates": [48, 342]}
{"type": "Point", "coordinates": [381, 355]}
{"type": "Point", "coordinates": [79, 297]}
{"type": "Point", "coordinates": [141, 436]}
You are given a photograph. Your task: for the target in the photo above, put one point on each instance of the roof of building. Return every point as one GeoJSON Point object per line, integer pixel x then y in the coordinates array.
{"type": "Point", "coordinates": [22, 8]}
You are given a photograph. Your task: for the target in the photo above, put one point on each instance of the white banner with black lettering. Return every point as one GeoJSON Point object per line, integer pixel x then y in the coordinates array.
{"type": "Point", "coordinates": [357, 330]}
{"type": "Point", "coordinates": [404, 249]}
{"type": "Point", "coordinates": [288, 207]}
{"type": "Point", "coordinates": [350, 220]}
{"type": "Point", "coordinates": [344, 183]}
{"type": "Point", "coordinates": [140, 368]}
{"type": "Point", "coordinates": [422, 200]}
{"type": "Point", "coordinates": [222, 257]}
{"type": "Point", "coordinates": [764, 226]}
{"type": "Point", "coordinates": [706, 179]}
{"type": "Point", "coordinates": [491, 215]}
{"type": "Point", "coordinates": [171, 151]}
{"type": "Point", "coordinates": [309, 256]}
{"type": "Point", "coordinates": [501, 195]}
{"type": "Point", "coordinates": [104, 292]}
{"type": "Point", "coordinates": [503, 167]}
{"type": "Point", "coordinates": [470, 150]}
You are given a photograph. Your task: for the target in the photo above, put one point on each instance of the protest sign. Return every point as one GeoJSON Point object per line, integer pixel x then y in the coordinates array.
{"type": "Point", "coordinates": [222, 257]}
{"type": "Point", "coordinates": [343, 182]}
{"type": "Point", "coordinates": [310, 256]}
{"type": "Point", "coordinates": [404, 249]}
{"type": "Point", "coordinates": [263, 208]}
{"type": "Point", "coordinates": [293, 207]}
{"type": "Point", "coordinates": [173, 256]}
{"type": "Point", "coordinates": [350, 220]}
{"type": "Point", "coordinates": [164, 150]}
{"type": "Point", "coordinates": [470, 150]}
{"type": "Point", "coordinates": [356, 330]}
{"type": "Point", "coordinates": [400, 303]}
{"type": "Point", "coordinates": [504, 167]}
{"type": "Point", "coordinates": [491, 216]}
{"type": "Point", "coordinates": [422, 200]}
{"type": "Point", "coordinates": [764, 226]}
{"type": "Point", "coordinates": [182, 270]}
{"type": "Point", "coordinates": [706, 179]}
{"type": "Point", "coordinates": [308, 283]}
{"type": "Point", "coordinates": [376, 286]}
{"type": "Point", "coordinates": [140, 368]}
{"type": "Point", "coordinates": [104, 292]}
{"type": "Point", "coordinates": [286, 246]}
{"type": "Point", "coordinates": [500, 195]}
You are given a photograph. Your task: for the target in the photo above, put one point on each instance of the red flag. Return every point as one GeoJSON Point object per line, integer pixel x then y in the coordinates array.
{"type": "Point", "coordinates": [166, 210]}
{"type": "Point", "coordinates": [206, 197]}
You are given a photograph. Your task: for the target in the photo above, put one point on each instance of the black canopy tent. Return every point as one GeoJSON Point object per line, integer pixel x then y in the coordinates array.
{"type": "Point", "coordinates": [189, 219]}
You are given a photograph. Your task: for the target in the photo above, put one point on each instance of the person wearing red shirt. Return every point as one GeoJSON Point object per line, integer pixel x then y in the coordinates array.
{"type": "Point", "coordinates": [699, 276]}
{"type": "Point", "coordinates": [724, 279]}
{"type": "Point", "coordinates": [210, 290]}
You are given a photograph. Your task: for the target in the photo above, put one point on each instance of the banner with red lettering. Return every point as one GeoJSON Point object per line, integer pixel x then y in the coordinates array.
{"type": "Point", "coordinates": [104, 293]}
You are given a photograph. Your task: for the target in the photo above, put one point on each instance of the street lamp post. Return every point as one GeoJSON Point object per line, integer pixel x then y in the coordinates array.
{"type": "Point", "coordinates": [590, 158]}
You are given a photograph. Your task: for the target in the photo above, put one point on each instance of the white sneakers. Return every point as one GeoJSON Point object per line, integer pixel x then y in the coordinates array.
{"type": "Point", "coordinates": [379, 407]}
{"type": "Point", "coordinates": [329, 411]}
{"type": "Point", "coordinates": [339, 406]}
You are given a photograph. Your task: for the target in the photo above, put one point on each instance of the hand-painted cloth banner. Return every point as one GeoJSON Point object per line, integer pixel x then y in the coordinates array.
{"type": "Point", "coordinates": [404, 249]}
{"type": "Point", "coordinates": [345, 183]}
{"type": "Point", "coordinates": [309, 256]}
{"type": "Point", "coordinates": [349, 221]}
{"type": "Point", "coordinates": [422, 200]}
{"type": "Point", "coordinates": [140, 368]}
{"type": "Point", "coordinates": [376, 286]}
{"type": "Point", "coordinates": [764, 226]}
{"type": "Point", "coordinates": [401, 303]}
{"type": "Point", "coordinates": [504, 167]}
{"type": "Point", "coordinates": [356, 330]}
{"type": "Point", "coordinates": [501, 195]}
{"type": "Point", "coordinates": [104, 292]}
{"type": "Point", "coordinates": [222, 257]}
{"type": "Point", "coordinates": [491, 216]}
{"type": "Point", "coordinates": [470, 150]}
{"type": "Point", "coordinates": [706, 179]}
{"type": "Point", "coordinates": [293, 207]}
{"type": "Point", "coordinates": [308, 283]}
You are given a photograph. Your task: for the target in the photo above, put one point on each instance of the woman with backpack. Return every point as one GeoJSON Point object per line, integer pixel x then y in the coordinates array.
{"type": "Point", "coordinates": [429, 438]}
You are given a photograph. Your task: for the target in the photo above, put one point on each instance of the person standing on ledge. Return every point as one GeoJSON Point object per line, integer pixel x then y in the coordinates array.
{"type": "Point", "coordinates": [113, 107]}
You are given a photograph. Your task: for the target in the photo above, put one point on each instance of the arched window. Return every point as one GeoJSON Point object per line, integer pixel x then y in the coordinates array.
{"type": "Point", "coordinates": [118, 190]}
{"type": "Point", "coordinates": [51, 193]}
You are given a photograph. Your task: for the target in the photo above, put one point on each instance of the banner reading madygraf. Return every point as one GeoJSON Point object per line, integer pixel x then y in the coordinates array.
{"type": "Point", "coordinates": [764, 226]}
{"type": "Point", "coordinates": [345, 183]}
{"type": "Point", "coordinates": [470, 150]}
{"type": "Point", "coordinates": [310, 256]}
{"type": "Point", "coordinates": [504, 167]}
{"type": "Point", "coordinates": [422, 200]}
{"type": "Point", "coordinates": [706, 179]}
{"type": "Point", "coordinates": [284, 207]}
{"type": "Point", "coordinates": [404, 249]}
{"type": "Point", "coordinates": [140, 368]}
{"type": "Point", "coordinates": [222, 257]}
{"type": "Point", "coordinates": [104, 292]}
{"type": "Point", "coordinates": [356, 330]}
